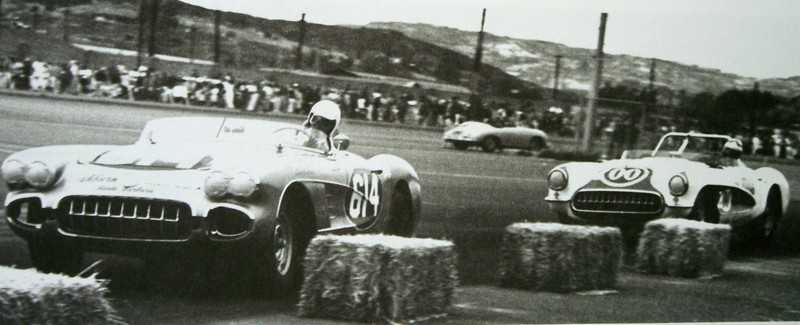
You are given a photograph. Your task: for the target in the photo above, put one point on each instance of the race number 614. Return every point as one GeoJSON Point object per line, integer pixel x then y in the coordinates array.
{"type": "Point", "coordinates": [366, 198]}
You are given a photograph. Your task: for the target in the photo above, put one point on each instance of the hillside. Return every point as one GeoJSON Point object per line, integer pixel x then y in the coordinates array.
{"type": "Point", "coordinates": [413, 51]}
{"type": "Point", "coordinates": [535, 61]}
{"type": "Point", "coordinates": [250, 43]}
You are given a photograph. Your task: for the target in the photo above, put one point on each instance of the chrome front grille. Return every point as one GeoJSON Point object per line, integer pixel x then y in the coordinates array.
{"type": "Point", "coordinates": [125, 218]}
{"type": "Point", "coordinates": [617, 202]}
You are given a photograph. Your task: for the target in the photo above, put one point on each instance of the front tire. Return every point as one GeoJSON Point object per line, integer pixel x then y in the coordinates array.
{"type": "Point", "coordinates": [490, 144]}
{"type": "Point", "coordinates": [401, 216]}
{"type": "Point", "coordinates": [54, 256]}
{"type": "Point", "coordinates": [536, 144]}
{"type": "Point", "coordinates": [766, 226]}
{"type": "Point", "coordinates": [460, 145]}
{"type": "Point", "coordinates": [287, 243]}
{"type": "Point", "coordinates": [705, 207]}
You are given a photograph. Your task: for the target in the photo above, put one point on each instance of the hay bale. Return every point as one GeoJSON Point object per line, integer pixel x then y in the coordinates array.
{"type": "Point", "coordinates": [685, 248]}
{"type": "Point", "coordinates": [560, 258]}
{"type": "Point", "coordinates": [30, 297]}
{"type": "Point", "coordinates": [377, 277]}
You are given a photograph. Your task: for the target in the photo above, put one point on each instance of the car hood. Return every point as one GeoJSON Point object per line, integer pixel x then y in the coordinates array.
{"type": "Point", "coordinates": [193, 155]}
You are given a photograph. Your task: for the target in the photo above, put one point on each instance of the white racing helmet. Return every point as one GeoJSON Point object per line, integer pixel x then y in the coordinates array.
{"type": "Point", "coordinates": [732, 149]}
{"type": "Point", "coordinates": [324, 116]}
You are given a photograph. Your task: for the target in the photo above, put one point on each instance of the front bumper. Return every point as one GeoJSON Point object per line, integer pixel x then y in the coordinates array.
{"type": "Point", "coordinates": [563, 210]}
{"type": "Point", "coordinates": [120, 233]}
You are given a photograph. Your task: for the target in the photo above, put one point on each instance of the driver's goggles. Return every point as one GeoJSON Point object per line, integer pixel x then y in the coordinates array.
{"type": "Point", "coordinates": [321, 121]}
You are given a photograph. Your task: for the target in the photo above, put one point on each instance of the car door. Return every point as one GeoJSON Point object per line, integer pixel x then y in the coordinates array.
{"type": "Point", "coordinates": [353, 192]}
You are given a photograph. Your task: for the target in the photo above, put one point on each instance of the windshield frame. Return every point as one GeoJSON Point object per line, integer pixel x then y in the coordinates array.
{"type": "Point", "coordinates": [686, 139]}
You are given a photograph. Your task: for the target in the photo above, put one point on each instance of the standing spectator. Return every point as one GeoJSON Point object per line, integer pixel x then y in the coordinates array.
{"type": "Point", "coordinates": [375, 107]}
{"type": "Point", "coordinates": [778, 144]}
{"type": "Point", "coordinates": [65, 78]}
{"type": "Point", "coordinates": [214, 94]}
{"type": "Point", "coordinates": [228, 92]}
{"type": "Point", "coordinates": [268, 92]}
{"type": "Point", "coordinates": [73, 71]}
{"type": "Point", "coordinates": [402, 108]}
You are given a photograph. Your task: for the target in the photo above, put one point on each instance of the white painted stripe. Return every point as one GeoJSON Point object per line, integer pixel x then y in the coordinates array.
{"type": "Point", "coordinates": [492, 309]}
{"type": "Point", "coordinates": [473, 176]}
{"type": "Point", "coordinates": [11, 148]}
{"type": "Point", "coordinates": [85, 126]}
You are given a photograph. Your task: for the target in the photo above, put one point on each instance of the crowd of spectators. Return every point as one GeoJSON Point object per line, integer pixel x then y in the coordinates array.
{"type": "Point", "coordinates": [414, 106]}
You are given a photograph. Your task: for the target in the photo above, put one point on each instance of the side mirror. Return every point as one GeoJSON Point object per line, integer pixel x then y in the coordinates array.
{"type": "Point", "coordinates": [341, 142]}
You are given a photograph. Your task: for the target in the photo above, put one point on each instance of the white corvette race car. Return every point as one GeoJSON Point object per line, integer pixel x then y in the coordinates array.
{"type": "Point", "coordinates": [247, 189]}
{"type": "Point", "coordinates": [686, 176]}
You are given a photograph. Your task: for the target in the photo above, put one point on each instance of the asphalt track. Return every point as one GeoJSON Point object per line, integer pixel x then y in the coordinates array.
{"type": "Point", "coordinates": [469, 197]}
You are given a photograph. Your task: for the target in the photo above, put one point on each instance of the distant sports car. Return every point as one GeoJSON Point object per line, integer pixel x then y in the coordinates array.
{"type": "Point", "coordinates": [490, 138]}
{"type": "Point", "coordinates": [249, 188]}
{"type": "Point", "coordinates": [686, 176]}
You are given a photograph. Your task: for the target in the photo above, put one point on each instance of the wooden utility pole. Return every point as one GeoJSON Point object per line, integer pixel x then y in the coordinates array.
{"type": "Point", "coordinates": [556, 76]}
{"type": "Point", "coordinates": [65, 36]}
{"type": "Point", "coordinates": [751, 121]}
{"type": "Point", "coordinates": [140, 40]}
{"type": "Point", "coordinates": [588, 125]}
{"type": "Point", "coordinates": [151, 46]}
{"type": "Point", "coordinates": [192, 41]}
{"type": "Point", "coordinates": [649, 106]}
{"type": "Point", "coordinates": [1, 16]}
{"type": "Point", "coordinates": [476, 66]}
{"type": "Point", "coordinates": [298, 56]}
{"type": "Point", "coordinates": [217, 22]}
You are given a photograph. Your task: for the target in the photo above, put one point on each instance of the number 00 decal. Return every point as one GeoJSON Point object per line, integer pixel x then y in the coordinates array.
{"type": "Point", "coordinates": [366, 197]}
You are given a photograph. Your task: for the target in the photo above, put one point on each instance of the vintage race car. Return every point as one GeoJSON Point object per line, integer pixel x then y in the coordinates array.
{"type": "Point", "coordinates": [490, 138]}
{"type": "Point", "coordinates": [686, 176]}
{"type": "Point", "coordinates": [251, 189]}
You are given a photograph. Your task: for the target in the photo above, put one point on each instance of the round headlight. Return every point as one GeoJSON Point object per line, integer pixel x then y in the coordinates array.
{"type": "Point", "coordinates": [216, 185]}
{"type": "Point", "coordinates": [557, 179]}
{"type": "Point", "coordinates": [14, 171]}
{"type": "Point", "coordinates": [39, 175]}
{"type": "Point", "coordinates": [678, 185]}
{"type": "Point", "coordinates": [242, 184]}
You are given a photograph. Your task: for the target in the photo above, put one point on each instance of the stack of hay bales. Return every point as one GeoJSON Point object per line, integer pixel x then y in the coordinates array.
{"type": "Point", "coordinates": [685, 248]}
{"type": "Point", "coordinates": [377, 277]}
{"type": "Point", "coordinates": [30, 297]}
{"type": "Point", "coordinates": [560, 258]}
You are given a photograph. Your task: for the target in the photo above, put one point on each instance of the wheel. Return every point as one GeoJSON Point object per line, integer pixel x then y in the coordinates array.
{"type": "Point", "coordinates": [705, 207]}
{"type": "Point", "coordinates": [536, 144]}
{"type": "Point", "coordinates": [489, 144]}
{"type": "Point", "coordinates": [53, 256]}
{"type": "Point", "coordinates": [287, 243]}
{"type": "Point", "coordinates": [766, 226]}
{"type": "Point", "coordinates": [460, 145]}
{"type": "Point", "coordinates": [401, 217]}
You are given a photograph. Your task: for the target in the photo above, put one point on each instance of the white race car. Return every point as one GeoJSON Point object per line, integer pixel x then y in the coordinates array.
{"type": "Point", "coordinates": [490, 138]}
{"type": "Point", "coordinates": [223, 189]}
{"type": "Point", "coordinates": [686, 176]}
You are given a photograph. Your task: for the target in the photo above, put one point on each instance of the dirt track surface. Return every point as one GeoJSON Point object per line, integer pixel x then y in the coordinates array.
{"type": "Point", "coordinates": [469, 197]}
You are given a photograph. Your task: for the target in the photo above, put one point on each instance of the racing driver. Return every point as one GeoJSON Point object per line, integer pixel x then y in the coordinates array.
{"type": "Point", "coordinates": [321, 124]}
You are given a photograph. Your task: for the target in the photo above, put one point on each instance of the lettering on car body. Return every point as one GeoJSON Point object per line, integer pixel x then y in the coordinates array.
{"type": "Point", "coordinates": [624, 176]}
{"type": "Point", "coordinates": [365, 198]}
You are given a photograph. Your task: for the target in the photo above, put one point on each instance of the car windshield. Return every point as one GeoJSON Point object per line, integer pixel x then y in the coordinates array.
{"type": "Point", "coordinates": [701, 148]}
{"type": "Point", "coordinates": [171, 130]}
